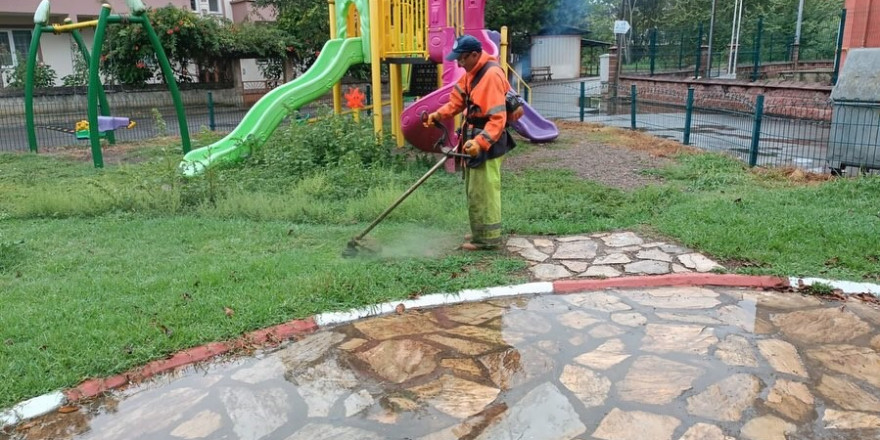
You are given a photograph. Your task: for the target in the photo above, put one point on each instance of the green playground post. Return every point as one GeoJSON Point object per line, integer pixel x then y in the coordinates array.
{"type": "Point", "coordinates": [29, 88]}
{"type": "Point", "coordinates": [169, 79]}
{"type": "Point", "coordinates": [94, 85]}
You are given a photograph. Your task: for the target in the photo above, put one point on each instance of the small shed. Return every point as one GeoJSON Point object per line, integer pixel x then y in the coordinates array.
{"type": "Point", "coordinates": [559, 48]}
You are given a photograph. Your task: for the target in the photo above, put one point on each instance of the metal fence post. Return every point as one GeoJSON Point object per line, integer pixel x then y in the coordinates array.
{"type": "Point", "coordinates": [680, 51]}
{"type": "Point", "coordinates": [211, 122]}
{"type": "Point", "coordinates": [583, 98]}
{"type": "Point", "coordinates": [757, 56]}
{"type": "Point", "coordinates": [368, 92]}
{"type": "Point", "coordinates": [756, 131]}
{"type": "Point", "coordinates": [699, 50]}
{"type": "Point", "coordinates": [652, 51]}
{"type": "Point", "coordinates": [839, 47]}
{"type": "Point", "coordinates": [632, 106]}
{"type": "Point", "coordinates": [689, 111]}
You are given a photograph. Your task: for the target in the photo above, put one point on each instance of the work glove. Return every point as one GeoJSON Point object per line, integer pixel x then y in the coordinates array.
{"type": "Point", "coordinates": [518, 113]}
{"type": "Point", "coordinates": [472, 148]}
{"type": "Point", "coordinates": [432, 118]}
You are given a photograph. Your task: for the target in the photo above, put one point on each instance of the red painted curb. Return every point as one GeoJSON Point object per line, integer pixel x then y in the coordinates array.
{"type": "Point", "coordinates": [268, 336]}
{"type": "Point", "coordinates": [679, 279]}
{"type": "Point", "coordinates": [289, 330]}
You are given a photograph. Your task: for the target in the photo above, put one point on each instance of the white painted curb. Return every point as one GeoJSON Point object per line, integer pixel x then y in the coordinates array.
{"type": "Point", "coordinates": [437, 299]}
{"type": "Point", "coordinates": [848, 287]}
{"type": "Point", "coordinates": [32, 408]}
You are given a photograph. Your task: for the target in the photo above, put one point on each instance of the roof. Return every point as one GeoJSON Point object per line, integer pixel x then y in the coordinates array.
{"type": "Point", "coordinates": [594, 43]}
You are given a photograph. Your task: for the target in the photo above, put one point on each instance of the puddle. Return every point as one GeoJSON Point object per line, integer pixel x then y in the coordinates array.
{"type": "Point", "coordinates": [615, 364]}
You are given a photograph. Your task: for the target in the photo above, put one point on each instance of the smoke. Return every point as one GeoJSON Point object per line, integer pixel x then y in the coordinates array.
{"type": "Point", "coordinates": [418, 242]}
{"type": "Point", "coordinates": [568, 13]}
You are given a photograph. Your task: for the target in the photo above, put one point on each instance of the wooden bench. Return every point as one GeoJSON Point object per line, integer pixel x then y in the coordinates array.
{"type": "Point", "coordinates": [541, 73]}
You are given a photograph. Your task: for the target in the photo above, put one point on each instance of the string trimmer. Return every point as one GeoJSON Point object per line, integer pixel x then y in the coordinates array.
{"type": "Point", "coordinates": [355, 245]}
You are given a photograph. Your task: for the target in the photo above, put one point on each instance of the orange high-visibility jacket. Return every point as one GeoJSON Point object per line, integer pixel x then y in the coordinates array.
{"type": "Point", "coordinates": [487, 101]}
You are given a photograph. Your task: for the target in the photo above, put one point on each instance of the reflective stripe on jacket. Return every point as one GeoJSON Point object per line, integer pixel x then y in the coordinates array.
{"type": "Point", "coordinates": [487, 100]}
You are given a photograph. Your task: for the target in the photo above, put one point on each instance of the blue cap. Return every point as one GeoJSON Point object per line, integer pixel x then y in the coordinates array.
{"type": "Point", "coordinates": [464, 44]}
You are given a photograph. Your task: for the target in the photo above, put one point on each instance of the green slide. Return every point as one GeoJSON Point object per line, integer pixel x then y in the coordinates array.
{"type": "Point", "coordinates": [264, 117]}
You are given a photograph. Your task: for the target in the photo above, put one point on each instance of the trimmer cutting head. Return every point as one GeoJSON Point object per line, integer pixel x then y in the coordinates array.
{"type": "Point", "coordinates": [357, 247]}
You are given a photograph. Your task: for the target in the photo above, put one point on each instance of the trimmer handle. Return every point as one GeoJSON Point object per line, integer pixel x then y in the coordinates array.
{"type": "Point", "coordinates": [437, 124]}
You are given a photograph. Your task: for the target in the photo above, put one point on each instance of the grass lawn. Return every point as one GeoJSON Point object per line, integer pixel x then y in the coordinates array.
{"type": "Point", "coordinates": [103, 270]}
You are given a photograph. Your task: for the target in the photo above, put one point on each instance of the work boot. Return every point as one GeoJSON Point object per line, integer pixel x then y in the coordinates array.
{"type": "Point", "coordinates": [468, 246]}
{"type": "Point", "coordinates": [471, 246]}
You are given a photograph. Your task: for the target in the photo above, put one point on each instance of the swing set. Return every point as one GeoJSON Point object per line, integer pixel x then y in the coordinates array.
{"type": "Point", "coordinates": [103, 123]}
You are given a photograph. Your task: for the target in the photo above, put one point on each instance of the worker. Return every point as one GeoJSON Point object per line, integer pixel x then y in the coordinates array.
{"type": "Point", "coordinates": [480, 94]}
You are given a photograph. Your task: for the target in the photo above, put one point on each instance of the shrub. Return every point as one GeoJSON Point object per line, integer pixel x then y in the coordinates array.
{"type": "Point", "coordinates": [332, 142]}
{"type": "Point", "coordinates": [44, 75]}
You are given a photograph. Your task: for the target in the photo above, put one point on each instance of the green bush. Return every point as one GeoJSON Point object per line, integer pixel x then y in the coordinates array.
{"type": "Point", "coordinates": [44, 75]}
{"type": "Point", "coordinates": [344, 151]}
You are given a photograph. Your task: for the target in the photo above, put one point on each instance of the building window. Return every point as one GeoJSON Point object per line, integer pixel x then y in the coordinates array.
{"type": "Point", "coordinates": [193, 4]}
{"type": "Point", "coordinates": [13, 44]}
{"type": "Point", "coordinates": [214, 6]}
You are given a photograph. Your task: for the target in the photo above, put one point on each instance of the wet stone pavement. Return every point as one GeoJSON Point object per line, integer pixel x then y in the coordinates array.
{"type": "Point", "coordinates": [605, 255]}
{"type": "Point", "coordinates": [645, 364]}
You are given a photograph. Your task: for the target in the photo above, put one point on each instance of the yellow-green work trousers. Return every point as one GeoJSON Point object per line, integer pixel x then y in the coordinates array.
{"type": "Point", "coordinates": [483, 188]}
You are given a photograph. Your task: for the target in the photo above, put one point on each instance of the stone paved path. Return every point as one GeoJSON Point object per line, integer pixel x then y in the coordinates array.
{"type": "Point", "coordinates": [644, 364]}
{"type": "Point", "coordinates": [605, 255]}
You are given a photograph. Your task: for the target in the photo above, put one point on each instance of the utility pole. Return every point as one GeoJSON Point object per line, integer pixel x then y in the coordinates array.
{"type": "Point", "coordinates": [796, 47]}
{"type": "Point", "coordinates": [800, 18]}
{"type": "Point", "coordinates": [709, 49]}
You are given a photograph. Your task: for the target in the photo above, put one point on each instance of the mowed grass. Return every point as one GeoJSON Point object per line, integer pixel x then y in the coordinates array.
{"type": "Point", "coordinates": [103, 270]}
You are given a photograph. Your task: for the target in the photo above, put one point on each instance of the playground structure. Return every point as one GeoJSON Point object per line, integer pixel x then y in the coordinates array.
{"type": "Point", "coordinates": [103, 123]}
{"type": "Point", "coordinates": [395, 32]}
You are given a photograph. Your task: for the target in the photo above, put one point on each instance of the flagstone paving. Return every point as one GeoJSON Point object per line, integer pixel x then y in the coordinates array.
{"type": "Point", "coordinates": [645, 364]}
{"type": "Point", "coordinates": [605, 255]}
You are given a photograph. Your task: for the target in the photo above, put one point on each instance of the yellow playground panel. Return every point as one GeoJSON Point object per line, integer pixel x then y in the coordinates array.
{"type": "Point", "coordinates": [394, 32]}
{"type": "Point", "coordinates": [405, 28]}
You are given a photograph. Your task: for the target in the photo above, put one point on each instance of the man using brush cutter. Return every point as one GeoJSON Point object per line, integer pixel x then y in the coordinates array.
{"type": "Point", "coordinates": [481, 93]}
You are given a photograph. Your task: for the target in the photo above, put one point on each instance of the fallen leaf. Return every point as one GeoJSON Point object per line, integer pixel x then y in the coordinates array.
{"type": "Point", "coordinates": [834, 261]}
{"type": "Point", "coordinates": [26, 426]}
{"type": "Point", "coordinates": [400, 309]}
{"type": "Point", "coordinates": [229, 312]}
{"type": "Point", "coordinates": [67, 409]}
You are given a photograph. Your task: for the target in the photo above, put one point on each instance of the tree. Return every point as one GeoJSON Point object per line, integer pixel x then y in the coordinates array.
{"type": "Point", "coordinates": [187, 38]}
{"type": "Point", "coordinates": [307, 24]}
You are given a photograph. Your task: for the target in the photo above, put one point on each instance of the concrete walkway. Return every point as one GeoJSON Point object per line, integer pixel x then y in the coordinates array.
{"type": "Point", "coordinates": [683, 362]}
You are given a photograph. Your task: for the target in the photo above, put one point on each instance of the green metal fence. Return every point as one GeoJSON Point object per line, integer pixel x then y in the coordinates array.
{"type": "Point", "coordinates": [684, 51]}
{"type": "Point", "coordinates": [57, 111]}
{"type": "Point", "coordinates": [759, 130]}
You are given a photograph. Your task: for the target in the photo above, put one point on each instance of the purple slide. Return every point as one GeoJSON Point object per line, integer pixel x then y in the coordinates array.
{"type": "Point", "coordinates": [532, 125]}
{"type": "Point", "coordinates": [535, 127]}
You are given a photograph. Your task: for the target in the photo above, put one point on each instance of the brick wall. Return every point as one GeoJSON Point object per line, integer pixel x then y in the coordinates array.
{"type": "Point", "coordinates": [797, 100]}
